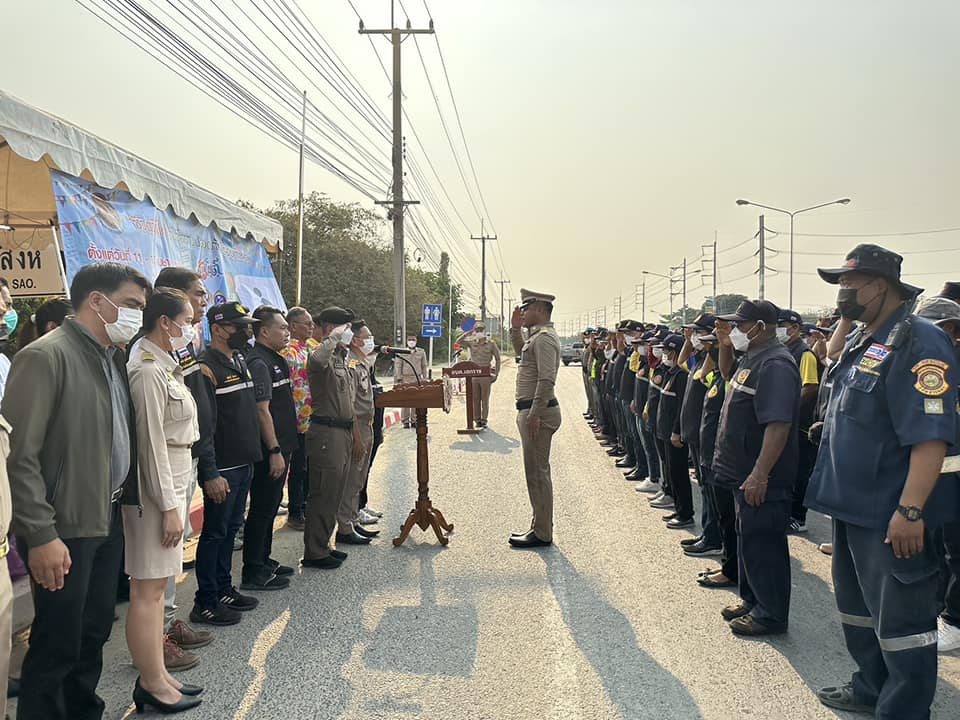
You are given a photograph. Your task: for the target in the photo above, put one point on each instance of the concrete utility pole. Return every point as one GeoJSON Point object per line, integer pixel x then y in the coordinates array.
{"type": "Point", "coordinates": [483, 269]}
{"type": "Point", "coordinates": [303, 140]}
{"type": "Point", "coordinates": [763, 259]}
{"type": "Point", "coordinates": [398, 204]}
{"type": "Point", "coordinates": [501, 282]}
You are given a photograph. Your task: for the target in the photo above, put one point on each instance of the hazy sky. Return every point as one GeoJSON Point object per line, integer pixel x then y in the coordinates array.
{"type": "Point", "coordinates": [609, 137]}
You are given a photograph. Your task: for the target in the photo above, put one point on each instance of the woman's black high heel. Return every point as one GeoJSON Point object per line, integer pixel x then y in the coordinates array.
{"type": "Point", "coordinates": [141, 699]}
{"type": "Point", "coordinates": [191, 690]}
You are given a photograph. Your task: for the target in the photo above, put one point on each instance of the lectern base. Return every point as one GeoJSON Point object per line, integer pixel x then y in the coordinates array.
{"type": "Point", "coordinates": [425, 516]}
{"type": "Point", "coordinates": [470, 431]}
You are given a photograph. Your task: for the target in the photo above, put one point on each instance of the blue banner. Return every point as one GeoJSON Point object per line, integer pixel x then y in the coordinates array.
{"type": "Point", "coordinates": [99, 224]}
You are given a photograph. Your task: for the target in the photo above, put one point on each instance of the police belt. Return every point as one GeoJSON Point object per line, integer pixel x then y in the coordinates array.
{"type": "Point", "coordinates": [527, 404]}
{"type": "Point", "coordinates": [332, 422]}
{"type": "Point", "coordinates": [951, 464]}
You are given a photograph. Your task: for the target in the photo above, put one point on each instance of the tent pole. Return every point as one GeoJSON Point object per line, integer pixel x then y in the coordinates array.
{"type": "Point", "coordinates": [59, 249]}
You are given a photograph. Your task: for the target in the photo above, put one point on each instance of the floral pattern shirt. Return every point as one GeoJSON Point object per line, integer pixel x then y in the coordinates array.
{"type": "Point", "coordinates": [296, 355]}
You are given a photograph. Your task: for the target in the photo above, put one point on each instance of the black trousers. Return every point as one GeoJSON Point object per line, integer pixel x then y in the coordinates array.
{"type": "Point", "coordinates": [298, 480]}
{"type": "Point", "coordinates": [677, 459]}
{"type": "Point", "coordinates": [807, 459]}
{"type": "Point", "coordinates": [265, 496]}
{"type": "Point", "coordinates": [725, 508]}
{"type": "Point", "coordinates": [377, 442]}
{"type": "Point", "coordinates": [764, 559]}
{"type": "Point", "coordinates": [63, 664]}
{"type": "Point", "coordinates": [951, 543]}
{"type": "Point", "coordinates": [664, 470]}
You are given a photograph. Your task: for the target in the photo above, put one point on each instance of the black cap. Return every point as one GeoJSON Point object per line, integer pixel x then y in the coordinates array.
{"type": "Point", "coordinates": [790, 316]}
{"type": "Point", "coordinates": [231, 312]}
{"type": "Point", "coordinates": [703, 321]}
{"type": "Point", "coordinates": [336, 316]}
{"type": "Point", "coordinates": [807, 328]}
{"type": "Point", "coordinates": [951, 291]}
{"type": "Point", "coordinates": [631, 326]}
{"type": "Point", "coordinates": [872, 260]}
{"type": "Point", "coordinates": [672, 342]}
{"type": "Point", "coordinates": [754, 310]}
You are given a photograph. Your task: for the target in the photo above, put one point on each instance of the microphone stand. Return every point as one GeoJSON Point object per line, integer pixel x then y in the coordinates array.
{"type": "Point", "coordinates": [415, 373]}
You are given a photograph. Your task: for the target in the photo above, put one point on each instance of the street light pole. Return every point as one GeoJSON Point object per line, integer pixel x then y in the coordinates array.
{"type": "Point", "coordinates": [842, 201]}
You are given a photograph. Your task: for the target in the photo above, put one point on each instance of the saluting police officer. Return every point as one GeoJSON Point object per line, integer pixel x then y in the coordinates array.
{"type": "Point", "coordinates": [237, 443]}
{"type": "Point", "coordinates": [407, 370]}
{"type": "Point", "coordinates": [538, 415]}
{"type": "Point", "coordinates": [890, 417]}
{"type": "Point", "coordinates": [330, 438]}
{"type": "Point", "coordinates": [485, 353]}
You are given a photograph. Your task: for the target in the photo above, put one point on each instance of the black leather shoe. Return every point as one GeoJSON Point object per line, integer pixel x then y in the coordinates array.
{"type": "Point", "coordinates": [668, 518]}
{"type": "Point", "coordinates": [267, 581]}
{"type": "Point", "coordinates": [615, 451]}
{"type": "Point", "coordinates": [626, 463]}
{"type": "Point", "coordinates": [679, 523]}
{"type": "Point", "coordinates": [635, 476]}
{"type": "Point", "coordinates": [529, 540]}
{"type": "Point", "coordinates": [278, 569]}
{"type": "Point", "coordinates": [691, 541]}
{"type": "Point", "coordinates": [746, 625]}
{"type": "Point", "coordinates": [142, 699]}
{"type": "Point", "coordinates": [365, 532]}
{"type": "Point", "coordinates": [326, 563]}
{"type": "Point", "coordinates": [352, 539]}
{"type": "Point", "coordinates": [520, 534]}
{"type": "Point", "coordinates": [341, 556]}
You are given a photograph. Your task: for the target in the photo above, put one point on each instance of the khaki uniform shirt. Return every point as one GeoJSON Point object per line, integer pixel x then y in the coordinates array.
{"type": "Point", "coordinates": [483, 353]}
{"type": "Point", "coordinates": [6, 505]}
{"type": "Point", "coordinates": [166, 417]}
{"type": "Point", "coordinates": [403, 372]}
{"type": "Point", "coordinates": [331, 385]}
{"type": "Point", "coordinates": [363, 389]}
{"type": "Point", "coordinates": [539, 363]}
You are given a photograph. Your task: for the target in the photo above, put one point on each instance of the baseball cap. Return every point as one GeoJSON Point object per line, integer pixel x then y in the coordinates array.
{"type": "Point", "coordinates": [872, 260]}
{"type": "Point", "coordinates": [939, 310]}
{"type": "Point", "coordinates": [790, 316]}
{"type": "Point", "coordinates": [231, 312]}
{"type": "Point", "coordinates": [951, 290]}
{"type": "Point", "coordinates": [754, 310]}
{"type": "Point", "coordinates": [672, 342]}
{"type": "Point", "coordinates": [703, 321]}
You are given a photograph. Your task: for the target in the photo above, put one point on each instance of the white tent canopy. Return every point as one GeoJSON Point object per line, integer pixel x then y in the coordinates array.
{"type": "Point", "coordinates": [32, 142]}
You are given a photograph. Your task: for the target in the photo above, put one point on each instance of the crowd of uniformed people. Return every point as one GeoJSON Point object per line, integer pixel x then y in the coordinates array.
{"type": "Point", "coordinates": [117, 417]}
{"type": "Point", "coordinates": [854, 416]}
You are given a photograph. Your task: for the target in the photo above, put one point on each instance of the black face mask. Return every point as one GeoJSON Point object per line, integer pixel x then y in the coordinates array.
{"type": "Point", "coordinates": [848, 305]}
{"type": "Point", "coordinates": [714, 354]}
{"type": "Point", "coordinates": [237, 341]}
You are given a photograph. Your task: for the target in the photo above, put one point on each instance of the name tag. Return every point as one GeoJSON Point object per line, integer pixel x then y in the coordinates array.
{"type": "Point", "coordinates": [951, 464]}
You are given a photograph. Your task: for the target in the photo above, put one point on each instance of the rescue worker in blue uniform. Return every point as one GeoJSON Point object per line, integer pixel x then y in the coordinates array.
{"type": "Point", "coordinates": [756, 457]}
{"type": "Point", "coordinates": [890, 418]}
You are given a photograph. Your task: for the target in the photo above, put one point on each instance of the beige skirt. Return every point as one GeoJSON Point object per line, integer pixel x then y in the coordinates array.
{"type": "Point", "coordinates": [145, 557]}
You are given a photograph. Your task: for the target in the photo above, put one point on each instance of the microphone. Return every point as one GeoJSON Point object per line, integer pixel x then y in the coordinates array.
{"type": "Point", "coordinates": [387, 350]}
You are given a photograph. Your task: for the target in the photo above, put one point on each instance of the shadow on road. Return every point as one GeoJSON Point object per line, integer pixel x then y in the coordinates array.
{"type": "Point", "coordinates": [636, 684]}
{"type": "Point", "coordinates": [489, 441]}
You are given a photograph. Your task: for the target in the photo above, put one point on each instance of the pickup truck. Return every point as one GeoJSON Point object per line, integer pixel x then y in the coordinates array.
{"type": "Point", "coordinates": [572, 353]}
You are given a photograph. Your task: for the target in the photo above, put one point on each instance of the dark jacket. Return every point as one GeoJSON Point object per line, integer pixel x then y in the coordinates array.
{"type": "Point", "coordinates": [58, 401]}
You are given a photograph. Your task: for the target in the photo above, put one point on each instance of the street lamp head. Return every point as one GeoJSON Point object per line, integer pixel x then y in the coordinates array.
{"type": "Point", "coordinates": [845, 201]}
{"type": "Point", "coordinates": [743, 202]}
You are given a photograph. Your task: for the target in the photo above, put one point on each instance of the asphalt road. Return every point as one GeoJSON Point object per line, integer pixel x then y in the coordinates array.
{"type": "Point", "coordinates": [608, 623]}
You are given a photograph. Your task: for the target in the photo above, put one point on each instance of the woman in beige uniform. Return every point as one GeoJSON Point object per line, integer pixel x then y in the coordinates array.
{"type": "Point", "coordinates": [153, 533]}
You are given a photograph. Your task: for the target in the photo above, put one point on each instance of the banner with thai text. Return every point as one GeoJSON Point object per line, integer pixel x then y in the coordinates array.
{"type": "Point", "coordinates": [99, 224]}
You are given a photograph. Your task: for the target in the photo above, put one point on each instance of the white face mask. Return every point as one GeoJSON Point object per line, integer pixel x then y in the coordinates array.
{"type": "Point", "coordinates": [411, 344]}
{"type": "Point", "coordinates": [368, 346]}
{"type": "Point", "coordinates": [782, 335]}
{"type": "Point", "coordinates": [186, 337]}
{"type": "Point", "coordinates": [669, 362]}
{"type": "Point", "coordinates": [642, 348]}
{"type": "Point", "coordinates": [609, 353]}
{"type": "Point", "coordinates": [128, 323]}
{"type": "Point", "coordinates": [346, 337]}
{"type": "Point", "coordinates": [695, 341]}
{"type": "Point", "coordinates": [739, 339]}
{"type": "Point", "coordinates": [658, 353]}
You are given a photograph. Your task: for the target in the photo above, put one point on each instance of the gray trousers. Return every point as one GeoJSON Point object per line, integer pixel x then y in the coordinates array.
{"type": "Point", "coordinates": [170, 592]}
{"type": "Point", "coordinates": [328, 454]}
{"type": "Point", "coordinates": [536, 466]}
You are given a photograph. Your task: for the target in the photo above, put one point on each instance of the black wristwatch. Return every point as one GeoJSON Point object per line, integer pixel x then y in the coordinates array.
{"type": "Point", "coordinates": [275, 450]}
{"type": "Point", "coordinates": [910, 512]}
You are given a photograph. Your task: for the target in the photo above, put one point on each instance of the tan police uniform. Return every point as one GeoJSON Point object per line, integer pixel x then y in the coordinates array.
{"type": "Point", "coordinates": [166, 430]}
{"type": "Point", "coordinates": [485, 353]}
{"type": "Point", "coordinates": [6, 588]}
{"type": "Point", "coordinates": [536, 380]}
{"type": "Point", "coordinates": [403, 373]}
{"type": "Point", "coordinates": [329, 442]}
{"type": "Point", "coordinates": [363, 411]}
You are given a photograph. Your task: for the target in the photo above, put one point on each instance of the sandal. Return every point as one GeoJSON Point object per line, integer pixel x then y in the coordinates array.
{"type": "Point", "coordinates": [843, 698]}
{"type": "Point", "coordinates": [711, 581]}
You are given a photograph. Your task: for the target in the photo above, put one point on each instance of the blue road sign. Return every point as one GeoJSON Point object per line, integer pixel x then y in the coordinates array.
{"type": "Point", "coordinates": [468, 324]}
{"type": "Point", "coordinates": [432, 314]}
{"type": "Point", "coordinates": [428, 331]}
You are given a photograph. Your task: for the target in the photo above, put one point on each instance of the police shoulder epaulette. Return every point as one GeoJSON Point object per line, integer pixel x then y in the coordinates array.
{"type": "Point", "coordinates": [147, 356]}
{"type": "Point", "coordinates": [208, 373]}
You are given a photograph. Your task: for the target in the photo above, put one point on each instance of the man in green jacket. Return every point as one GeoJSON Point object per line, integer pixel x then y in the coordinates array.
{"type": "Point", "coordinates": [72, 458]}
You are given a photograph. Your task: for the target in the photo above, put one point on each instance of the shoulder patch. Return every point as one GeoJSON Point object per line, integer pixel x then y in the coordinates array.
{"type": "Point", "coordinates": [657, 379]}
{"type": "Point", "coordinates": [743, 375]}
{"type": "Point", "coordinates": [714, 391]}
{"type": "Point", "coordinates": [933, 406]}
{"type": "Point", "coordinates": [931, 377]}
{"type": "Point", "coordinates": [147, 356]}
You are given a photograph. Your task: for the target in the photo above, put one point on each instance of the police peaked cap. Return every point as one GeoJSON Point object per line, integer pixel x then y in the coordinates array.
{"type": "Point", "coordinates": [336, 316]}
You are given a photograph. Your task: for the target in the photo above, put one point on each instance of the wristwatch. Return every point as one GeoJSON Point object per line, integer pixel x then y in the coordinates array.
{"type": "Point", "coordinates": [910, 512]}
{"type": "Point", "coordinates": [275, 450]}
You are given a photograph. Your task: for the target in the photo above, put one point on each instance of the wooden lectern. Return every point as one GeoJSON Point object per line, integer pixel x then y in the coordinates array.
{"type": "Point", "coordinates": [469, 371]}
{"type": "Point", "coordinates": [421, 395]}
